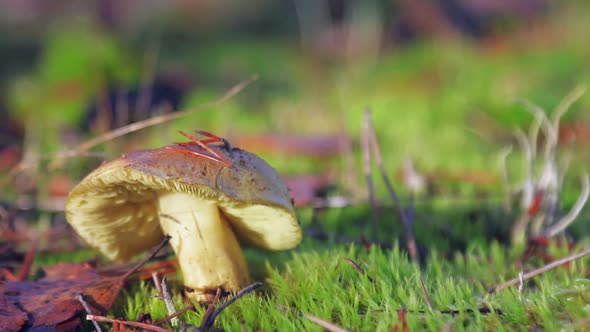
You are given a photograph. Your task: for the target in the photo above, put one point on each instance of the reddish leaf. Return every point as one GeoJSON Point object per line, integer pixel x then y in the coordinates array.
{"type": "Point", "coordinates": [51, 301]}
{"type": "Point", "coordinates": [11, 317]}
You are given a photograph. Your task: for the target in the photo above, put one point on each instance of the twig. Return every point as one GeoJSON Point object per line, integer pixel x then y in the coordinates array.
{"type": "Point", "coordinates": [82, 148]}
{"type": "Point", "coordinates": [144, 326]}
{"type": "Point", "coordinates": [163, 118]}
{"type": "Point", "coordinates": [80, 298]}
{"type": "Point", "coordinates": [533, 135]}
{"type": "Point", "coordinates": [540, 270]}
{"type": "Point", "coordinates": [358, 268]}
{"type": "Point", "coordinates": [156, 280]}
{"type": "Point", "coordinates": [208, 323]}
{"type": "Point", "coordinates": [566, 103]}
{"type": "Point", "coordinates": [504, 170]}
{"type": "Point", "coordinates": [153, 121]}
{"type": "Point", "coordinates": [328, 326]}
{"type": "Point", "coordinates": [27, 263]}
{"type": "Point", "coordinates": [520, 283]}
{"type": "Point", "coordinates": [168, 300]}
{"type": "Point", "coordinates": [406, 221]}
{"type": "Point", "coordinates": [425, 293]}
{"type": "Point", "coordinates": [240, 294]}
{"type": "Point", "coordinates": [145, 260]}
{"type": "Point", "coordinates": [482, 310]}
{"type": "Point", "coordinates": [528, 187]}
{"type": "Point", "coordinates": [550, 132]}
{"type": "Point", "coordinates": [176, 314]}
{"type": "Point", "coordinates": [573, 214]}
{"type": "Point", "coordinates": [366, 150]}
{"type": "Point", "coordinates": [30, 163]}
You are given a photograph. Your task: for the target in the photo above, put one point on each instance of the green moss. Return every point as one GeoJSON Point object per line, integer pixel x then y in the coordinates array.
{"type": "Point", "coordinates": [316, 280]}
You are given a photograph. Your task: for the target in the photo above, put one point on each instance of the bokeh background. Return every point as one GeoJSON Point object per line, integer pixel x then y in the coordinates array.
{"type": "Point", "coordinates": [444, 79]}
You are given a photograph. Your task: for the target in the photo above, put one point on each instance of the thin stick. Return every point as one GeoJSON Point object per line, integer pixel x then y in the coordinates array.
{"type": "Point", "coordinates": [328, 326]}
{"type": "Point", "coordinates": [27, 263]}
{"type": "Point", "coordinates": [548, 129]}
{"type": "Point", "coordinates": [240, 294]}
{"type": "Point", "coordinates": [207, 321]}
{"type": "Point", "coordinates": [162, 118]}
{"type": "Point", "coordinates": [145, 260]}
{"type": "Point", "coordinates": [168, 301]}
{"type": "Point", "coordinates": [407, 222]}
{"type": "Point", "coordinates": [425, 293]}
{"type": "Point", "coordinates": [540, 270]}
{"type": "Point", "coordinates": [358, 268]}
{"type": "Point", "coordinates": [503, 159]}
{"type": "Point", "coordinates": [30, 163]}
{"type": "Point", "coordinates": [573, 214]}
{"type": "Point", "coordinates": [156, 280]}
{"type": "Point", "coordinates": [145, 326]}
{"type": "Point", "coordinates": [566, 103]}
{"type": "Point", "coordinates": [176, 314]}
{"type": "Point", "coordinates": [80, 299]}
{"type": "Point", "coordinates": [366, 139]}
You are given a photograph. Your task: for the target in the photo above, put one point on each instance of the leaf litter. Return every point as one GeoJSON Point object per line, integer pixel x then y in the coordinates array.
{"type": "Point", "coordinates": [52, 302]}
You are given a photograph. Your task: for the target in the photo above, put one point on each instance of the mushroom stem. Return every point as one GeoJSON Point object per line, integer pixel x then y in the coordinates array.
{"type": "Point", "coordinates": [208, 252]}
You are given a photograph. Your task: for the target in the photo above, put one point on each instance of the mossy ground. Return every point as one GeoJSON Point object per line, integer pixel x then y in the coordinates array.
{"type": "Point", "coordinates": [316, 280]}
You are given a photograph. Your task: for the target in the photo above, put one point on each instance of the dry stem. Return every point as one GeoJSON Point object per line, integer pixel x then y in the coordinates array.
{"type": "Point", "coordinates": [540, 270]}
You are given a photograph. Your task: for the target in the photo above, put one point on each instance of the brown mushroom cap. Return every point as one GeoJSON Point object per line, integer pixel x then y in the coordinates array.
{"type": "Point", "coordinates": [115, 207]}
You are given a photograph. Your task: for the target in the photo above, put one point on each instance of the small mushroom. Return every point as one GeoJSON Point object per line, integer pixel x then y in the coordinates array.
{"type": "Point", "coordinates": [126, 205]}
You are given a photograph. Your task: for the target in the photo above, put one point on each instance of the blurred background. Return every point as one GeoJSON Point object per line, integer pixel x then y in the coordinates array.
{"type": "Point", "coordinates": [444, 79]}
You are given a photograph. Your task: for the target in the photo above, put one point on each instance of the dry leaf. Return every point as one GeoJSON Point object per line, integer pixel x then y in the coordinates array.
{"type": "Point", "coordinates": [51, 302]}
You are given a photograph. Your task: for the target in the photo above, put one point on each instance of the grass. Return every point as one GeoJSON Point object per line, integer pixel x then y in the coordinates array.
{"type": "Point", "coordinates": [317, 280]}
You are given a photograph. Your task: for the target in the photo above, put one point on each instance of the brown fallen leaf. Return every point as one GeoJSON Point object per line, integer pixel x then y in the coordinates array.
{"type": "Point", "coordinates": [11, 317]}
{"type": "Point", "coordinates": [50, 303]}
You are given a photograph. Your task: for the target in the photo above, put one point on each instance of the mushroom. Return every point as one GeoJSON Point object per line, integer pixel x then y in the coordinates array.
{"type": "Point", "coordinates": [126, 205]}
